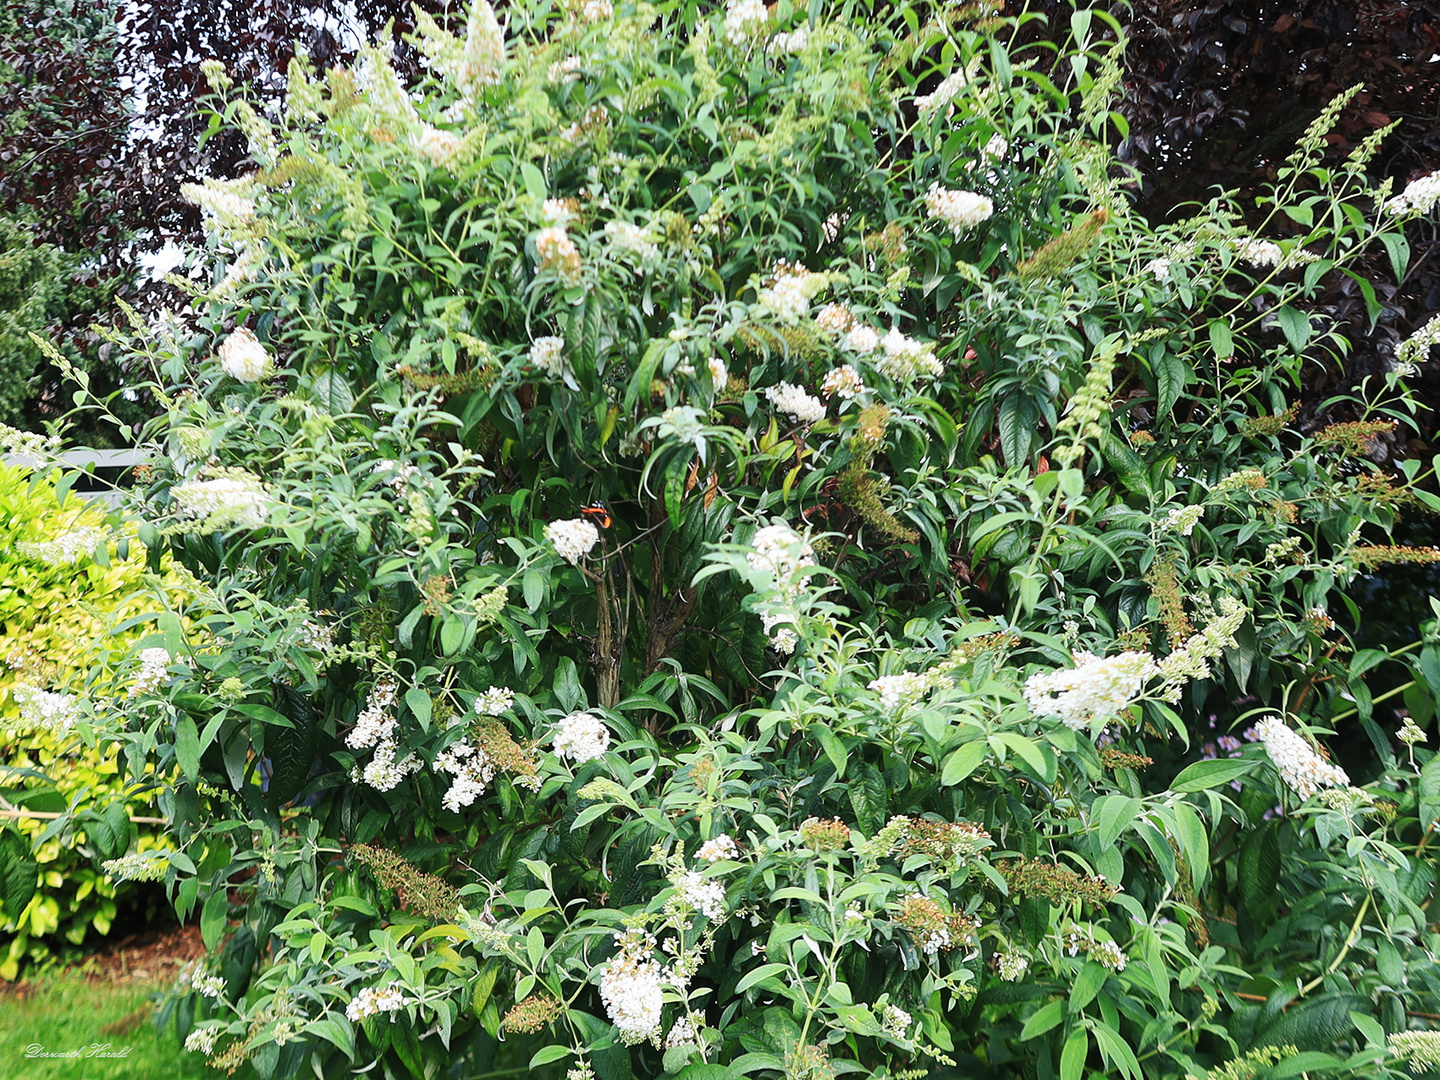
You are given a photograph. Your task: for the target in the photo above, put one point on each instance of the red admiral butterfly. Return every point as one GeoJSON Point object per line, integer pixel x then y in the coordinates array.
{"type": "Point", "coordinates": [597, 513]}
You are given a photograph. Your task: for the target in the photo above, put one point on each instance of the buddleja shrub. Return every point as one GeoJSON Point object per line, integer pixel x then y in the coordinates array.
{"type": "Point", "coordinates": [715, 528]}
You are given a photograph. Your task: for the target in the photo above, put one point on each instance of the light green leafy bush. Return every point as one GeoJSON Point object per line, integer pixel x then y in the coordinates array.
{"type": "Point", "coordinates": [723, 548]}
{"type": "Point", "coordinates": [58, 605]}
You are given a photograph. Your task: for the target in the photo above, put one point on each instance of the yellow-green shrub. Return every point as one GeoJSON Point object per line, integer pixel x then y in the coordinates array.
{"type": "Point", "coordinates": [55, 624]}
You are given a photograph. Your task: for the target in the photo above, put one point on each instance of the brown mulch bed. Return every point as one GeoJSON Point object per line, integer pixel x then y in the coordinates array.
{"type": "Point", "coordinates": [155, 954]}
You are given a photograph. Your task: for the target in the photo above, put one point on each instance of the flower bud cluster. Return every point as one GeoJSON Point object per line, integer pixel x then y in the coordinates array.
{"type": "Point", "coordinates": [137, 866]}
{"type": "Point", "coordinates": [933, 928]}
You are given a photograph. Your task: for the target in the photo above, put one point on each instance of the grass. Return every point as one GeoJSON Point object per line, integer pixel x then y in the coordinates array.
{"type": "Point", "coordinates": [66, 1013]}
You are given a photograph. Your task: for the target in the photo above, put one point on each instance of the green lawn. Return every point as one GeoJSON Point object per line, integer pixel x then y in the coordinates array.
{"type": "Point", "coordinates": [68, 1013]}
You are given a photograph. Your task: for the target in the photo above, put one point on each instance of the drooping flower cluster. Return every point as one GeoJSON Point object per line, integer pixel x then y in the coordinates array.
{"type": "Point", "coordinates": [1159, 269]}
{"type": "Point", "coordinates": [1095, 689]}
{"type": "Point", "coordinates": [1183, 519]}
{"type": "Point", "coordinates": [843, 382]}
{"type": "Point", "coordinates": [558, 253]}
{"type": "Point", "coordinates": [630, 991]}
{"type": "Point", "coordinates": [1419, 196]}
{"type": "Point", "coordinates": [719, 376]}
{"type": "Point", "coordinates": [1420, 1048]}
{"type": "Point", "coordinates": [472, 771]}
{"type": "Point", "coordinates": [65, 549]}
{"type": "Point", "coordinates": [529, 1016]}
{"type": "Point", "coordinates": [792, 287]}
{"type": "Point", "coordinates": [235, 501]}
{"type": "Point", "coordinates": [1258, 252]}
{"type": "Point", "coordinates": [137, 866]}
{"type": "Point", "coordinates": [682, 1033]}
{"type": "Point", "coordinates": [376, 728]}
{"type": "Point", "coordinates": [717, 848]}
{"type": "Point", "coordinates": [779, 552]}
{"type": "Point", "coordinates": [744, 20]}
{"type": "Point", "coordinates": [572, 538]}
{"type": "Point", "coordinates": [706, 897]}
{"type": "Point", "coordinates": [243, 357]}
{"type": "Point", "coordinates": [1193, 658]}
{"type": "Point", "coordinates": [960, 210]}
{"type": "Point", "coordinates": [45, 709]}
{"type": "Point", "coordinates": [211, 986]}
{"type": "Point", "coordinates": [372, 1000]}
{"type": "Point", "coordinates": [1056, 883]}
{"type": "Point", "coordinates": [227, 205]}
{"type": "Point", "coordinates": [942, 95]}
{"type": "Point", "coordinates": [794, 401]}
{"type": "Point", "coordinates": [581, 737]}
{"type": "Point", "coordinates": [1303, 770]}
{"type": "Point", "coordinates": [154, 670]}
{"type": "Point", "coordinates": [202, 1039]}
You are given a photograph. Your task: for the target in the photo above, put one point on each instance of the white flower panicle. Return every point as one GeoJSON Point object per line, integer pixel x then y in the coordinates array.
{"type": "Point", "coordinates": [718, 848]}
{"type": "Point", "coordinates": [154, 670]}
{"type": "Point", "coordinates": [627, 238]}
{"type": "Point", "coordinates": [572, 538]}
{"type": "Point", "coordinates": [895, 1021]}
{"type": "Point", "coordinates": [719, 376]}
{"type": "Point", "coordinates": [441, 148]}
{"type": "Point", "coordinates": [1419, 196]}
{"type": "Point", "coordinates": [243, 357]}
{"type": "Point", "coordinates": [787, 298]}
{"type": "Point", "coordinates": [496, 700]}
{"type": "Point", "coordinates": [1303, 770]}
{"type": "Point", "coordinates": [137, 866]}
{"type": "Point", "coordinates": [596, 10]}
{"type": "Point", "coordinates": [1415, 350]}
{"type": "Point", "coordinates": [472, 770]}
{"type": "Point", "coordinates": [834, 319]}
{"type": "Point", "coordinates": [374, 725]}
{"type": "Point", "coordinates": [581, 737]}
{"type": "Point", "coordinates": [548, 354]}
{"type": "Point", "coordinates": [1420, 1048]}
{"type": "Point", "coordinates": [796, 402]}
{"type": "Point", "coordinates": [862, 340]}
{"type": "Point", "coordinates": [1159, 269]}
{"type": "Point", "coordinates": [202, 1040]}
{"type": "Point", "coordinates": [900, 690]}
{"type": "Point", "coordinates": [960, 210]}
{"type": "Point", "coordinates": [793, 42]}
{"type": "Point", "coordinates": [942, 95]}
{"type": "Point", "coordinates": [227, 205]}
{"type": "Point", "coordinates": [237, 501]}
{"type": "Point", "coordinates": [1012, 965]}
{"type": "Point", "coordinates": [843, 382]}
{"type": "Point", "coordinates": [1108, 954]}
{"type": "Point", "coordinates": [682, 1033]}
{"type": "Point", "coordinates": [45, 709]}
{"type": "Point", "coordinates": [65, 549]}
{"type": "Point", "coordinates": [383, 772]}
{"type": "Point", "coordinates": [706, 897]}
{"type": "Point", "coordinates": [211, 986]}
{"type": "Point", "coordinates": [744, 20]}
{"type": "Point", "coordinates": [1183, 519]}
{"type": "Point", "coordinates": [1192, 659]}
{"type": "Point", "coordinates": [630, 991]}
{"type": "Point", "coordinates": [777, 549]}
{"type": "Point", "coordinates": [372, 1000]}
{"type": "Point", "coordinates": [906, 359]}
{"type": "Point", "coordinates": [557, 211]}
{"type": "Point", "coordinates": [1096, 689]}
{"type": "Point", "coordinates": [1258, 252]}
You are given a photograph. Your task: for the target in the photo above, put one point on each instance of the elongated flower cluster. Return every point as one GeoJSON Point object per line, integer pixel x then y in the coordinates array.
{"type": "Point", "coordinates": [1193, 658]}
{"type": "Point", "coordinates": [1420, 1048]}
{"type": "Point", "coordinates": [1419, 196]}
{"type": "Point", "coordinates": [471, 769]}
{"type": "Point", "coordinates": [895, 1021]}
{"type": "Point", "coordinates": [634, 241]}
{"type": "Point", "coordinates": [572, 538]}
{"type": "Point", "coordinates": [960, 210]}
{"type": "Point", "coordinates": [1183, 519]}
{"type": "Point", "coordinates": [719, 375]}
{"type": "Point", "coordinates": [794, 401]}
{"type": "Point", "coordinates": [236, 501]}
{"type": "Point", "coordinates": [1303, 770]}
{"type": "Point", "coordinates": [496, 700]}
{"type": "Point", "coordinates": [1415, 350]}
{"type": "Point", "coordinates": [374, 724]}
{"type": "Point", "coordinates": [45, 709]}
{"type": "Point", "coordinates": [706, 897]}
{"type": "Point", "coordinates": [137, 866]}
{"type": "Point", "coordinates": [202, 1039]}
{"type": "Point", "coordinates": [372, 1000]}
{"type": "Point", "coordinates": [1011, 966]}
{"type": "Point", "coordinates": [211, 986]}
{"type": "Point", "coordinates": [227, 205]}
{"type": "Point", "coordinates": [1258, 252]}
{"type": "Point", "coordinates": [242, 356]}
{"type": "Point", "coordinates": [949, 842]}
{"type": "Point", "coordinates": [1096, 689]}
{"type": "Point", "coordinates": [154, 670]}
{"type": "Point", "coordinates": [942, 95]}
{"type": "Point", "coordinates": [1105, 953]}
{"type": "Point", "coordinates": [581, 737]}
{"type": "Point", "coordinates": [558, 253]}
{"type": "Point", "coordinates": [65, 549]}
{"type": "Point", "coordinates": [630, 991]}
